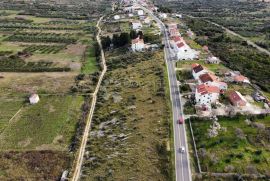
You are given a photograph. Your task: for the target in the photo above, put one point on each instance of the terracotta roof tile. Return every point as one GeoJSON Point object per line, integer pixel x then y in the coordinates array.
{"type": "Point", "coordinates": [208, 77]}
{"type": "Point", "coordinates": [198, 68]}
{"type": "Point", "coordinates": [206, 89]}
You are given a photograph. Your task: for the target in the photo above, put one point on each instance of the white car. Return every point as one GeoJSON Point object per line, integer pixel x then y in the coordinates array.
{"type": "Point", "coordinates": [182, 150]}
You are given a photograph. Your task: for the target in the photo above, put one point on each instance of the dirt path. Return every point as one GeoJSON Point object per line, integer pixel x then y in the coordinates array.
{"type": "Point", "coordinates": [249, 42]}
{"type": "Point", "coordinates": [79, 158]}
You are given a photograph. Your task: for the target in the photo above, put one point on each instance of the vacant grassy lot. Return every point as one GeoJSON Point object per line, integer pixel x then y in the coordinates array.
{"type": "Point", "coordinates": [130, 128]}
{"type": "Point", "coordinates": [8, 107]}
{"type": "Point", "coordinates": [90, 66]}
{"type": "Point", "coordinates": [48, 83]}
{"type": "Point", "coordinates": [241, 146]}
{"type": "Point", "coordinates": [50, 124]}
{"type": "Point", "coordinates": [33, 165]}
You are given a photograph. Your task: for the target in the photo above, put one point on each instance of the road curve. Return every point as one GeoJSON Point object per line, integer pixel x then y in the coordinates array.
{"type": "Point", "coordinates": [182, 165]}
{"type": "Point", "coordinates": [80, 156]}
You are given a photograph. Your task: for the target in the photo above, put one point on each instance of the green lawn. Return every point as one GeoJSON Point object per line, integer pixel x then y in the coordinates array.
{"type": "Point", "coordinates": [8, 107]}
{"type": "Point", "coordinates": [211, 67]}
{"type": "Point", "coordinates": [229, 149]}
{"type": "Point", "coordinates": [48, 124]}
{"type": "Point", "coordinates": [7, 46]}
{"type": "Point", "coordinates": [90, 65]}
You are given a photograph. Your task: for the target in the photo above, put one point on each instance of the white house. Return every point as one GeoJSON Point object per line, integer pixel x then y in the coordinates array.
{"type": "Point", "coordinates": [147, 20]}
{"type": "Point", "coordinates": [178, 15]}
{"type": "Point", "coordinates": [190, 34]}
{"type": "Point", "coordinates": [197, 70]}
{"type": "Point", "coordinates": [206, 94]}
{"type": "Point", "coordinates": [137, 44]}
{"type": "Point", "coordinates": [163, 15]}
{"type": "Point", "coordinates": [213, 60]}
{"type": "Point", "coordinates": [136, 25]}
{"type": "Point", "coordinates": [130, 15]}
{"type": "Point", "coordinates": [140, 12]}
{"type": "Point", "coordinates": [34, 98]}
{"type": "Point", "coordinates": [129, 9]}
{"type": "Point", "coordinates": [116, 17]}
{"type": "Point", "coordinates": [182, 50]}
{"type": "Point", "coordinates": [172, 27]}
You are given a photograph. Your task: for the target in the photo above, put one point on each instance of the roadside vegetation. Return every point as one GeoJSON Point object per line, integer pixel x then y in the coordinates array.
{"type": "Point", "coordinates": [130, 126]}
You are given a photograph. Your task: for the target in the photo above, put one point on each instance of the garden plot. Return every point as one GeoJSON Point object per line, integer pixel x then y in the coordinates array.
{"type": "Point", "coordinates": [239, 145]}
{"type": "Point", "coordinates": [52, 122]}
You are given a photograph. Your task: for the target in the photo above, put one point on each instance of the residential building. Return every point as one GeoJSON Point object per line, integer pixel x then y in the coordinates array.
{"type": "Point", "coordinates": [147, 20]}
{"type": "Point", "coordinates": [137, 44]}
{"type": "Point", "coordinates": [205, 48]}
{"type": "Point", "coordinates": [198, 70]}
{"type": "Point", "coordinates": [140, 12]}
{"type": "Point", "coordinates": [116, 17]}
{"type": "Point", "coordinates": [240, 79]}
{"type": "Point", "coordinates": [190, 34]}
{"type": "Point", "coordinates": [33, 99]}
{"type": "Point", "coordinates": [211, 79]}
{"type": "Point", "coordinates": [136, 25]}
{"type": "Point", "coordinates": [163, 15]}
{"type": "Point", "coordinates": [207, 78]}
{"type": "Point", "coordinates": [206, 94]}
{"type": "Point", "coordinates": [182, 50]}
{"type": "Point", "coordinates": [213, 60]}
{"type": "Point", "coordinates": [237, 99]}
{"type": "Point", "coordinates": [172, 27]}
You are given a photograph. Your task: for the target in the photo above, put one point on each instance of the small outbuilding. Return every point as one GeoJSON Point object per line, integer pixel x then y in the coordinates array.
{"type": "Point", "coordinates": [33, 99]}
{"type": "Point", "coordinates": [237, 99]}
{"type": "Point", "coordinates": [116, 17]}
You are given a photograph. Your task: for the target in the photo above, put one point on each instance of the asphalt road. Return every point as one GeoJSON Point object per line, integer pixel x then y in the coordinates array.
{"type": "Point", "coordinates": [182, 166]}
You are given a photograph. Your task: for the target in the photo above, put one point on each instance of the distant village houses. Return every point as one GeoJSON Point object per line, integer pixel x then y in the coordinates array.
{"type": "Point", "coordinates": [212, 60]}
{"type": "Point", "coordinates": [136, 25]}
{"type": "Point", "coordinates": [137, 44]}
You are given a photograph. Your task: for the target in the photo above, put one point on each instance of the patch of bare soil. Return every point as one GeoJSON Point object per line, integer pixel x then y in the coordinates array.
{"type": "Point", "coordinates": [76, 49]}
{"type": "Point", "coordinates": [33, 165]}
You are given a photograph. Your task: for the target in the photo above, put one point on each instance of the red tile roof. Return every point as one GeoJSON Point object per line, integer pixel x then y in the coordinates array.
{"type": "Point", "coordinates": [172, 25]}
{"type": "Point", "coordinates": [240, 78]}
{"type": "Point", "coordinates": [235, 97]}
{"type": "Point", "coordinates": [180, 45]}
{"type": "Point", "coordinates": [208, 77]}
{"type": "Point", "coordinates": [137, 40]}
{"type": "Point", "coordinates": [207, 89]}
{"type": "Point", "coordinates": [198, 68]}
{"type": "Point", "coordinates": [177, 39]}
{"type": "Point", "coordinates": [194, 65]}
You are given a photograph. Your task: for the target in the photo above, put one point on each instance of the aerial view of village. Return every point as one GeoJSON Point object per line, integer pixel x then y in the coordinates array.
{"type": "Point", "coordinates": [134, 90]}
